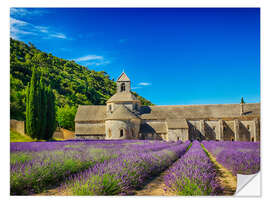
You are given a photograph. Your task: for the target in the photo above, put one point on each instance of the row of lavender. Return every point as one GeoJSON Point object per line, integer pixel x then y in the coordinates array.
{"type": "Point", "coordinates": [37, 166]}
{"type": "Point", "coordinates": [193, 174]}
{"type": "Point", "coordinates": [124, 174]}
{"type": "Point", "coordinates": [238, 157]}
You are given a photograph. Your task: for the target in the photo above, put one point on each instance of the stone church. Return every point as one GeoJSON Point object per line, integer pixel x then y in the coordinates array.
{"type": "Point", "coordinates": [125, 118]}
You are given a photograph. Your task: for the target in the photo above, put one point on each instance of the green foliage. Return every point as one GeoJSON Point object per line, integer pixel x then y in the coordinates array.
{"type": "Point", "coordinates": [71, 83]}
{"type": "Point", "coordinates": [32, 107]}
{"type": "Point", "coordinates": [51, 114]}
{"type": "Point", "coordinates": [144, 102]}
{"type": "Point", "coordinates": [242, 101]}
{"type": "Point", "coordinates": [65, 116]}
{"type": "Point", "coordinates": [17, 137]}
{"type": "Point", "coordinates": [106, 184]}
{"type": "Point", "coordinates": [40, 109]}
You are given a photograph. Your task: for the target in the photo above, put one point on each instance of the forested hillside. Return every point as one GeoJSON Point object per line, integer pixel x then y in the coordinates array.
{"type": "Point", "coordinates": [72, 83]}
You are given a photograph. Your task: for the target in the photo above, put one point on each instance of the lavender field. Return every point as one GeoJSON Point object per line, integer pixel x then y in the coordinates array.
{"type": "Point", "coordinates": [120, 167]}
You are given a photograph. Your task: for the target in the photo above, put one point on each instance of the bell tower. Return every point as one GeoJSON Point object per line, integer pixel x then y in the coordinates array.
{"type": "Point", "coordinates": [123, 83]}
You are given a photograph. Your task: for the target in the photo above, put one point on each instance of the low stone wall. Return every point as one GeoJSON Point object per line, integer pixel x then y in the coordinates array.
{"type": "Point", "coordinates": [17, 126]}
{"type": "Point", "coordinates": [64, 134]}
{"type": "Point", "coordinates": [90, 137]}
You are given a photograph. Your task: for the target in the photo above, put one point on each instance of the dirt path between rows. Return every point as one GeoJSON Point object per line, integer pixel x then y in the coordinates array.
{"type": "Point", "coordinates": [154, 188]}
{"type": "Point", "coordinates": [226, 178]}
{"type": "Point", "coordinates": [54, 192]}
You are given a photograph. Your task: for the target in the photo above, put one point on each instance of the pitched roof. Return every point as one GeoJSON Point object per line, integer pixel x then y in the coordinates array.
{"type": "Point", "coordinates": [90, 113]}
{"type": "Point", "coordinates": [216, 111]}
{"type": "Point", "coordinates": [153, 127]}
{"type": "Point", "coordinates": [122, 96]}
{"type": "Point", "coordinates": [176, 123]}
{"type": "Point", "coordinates": [90, 129]}
{"type": "Point", "coordinates": [121, 113]}
{"type": "Point", "coordinates": [123, 77]}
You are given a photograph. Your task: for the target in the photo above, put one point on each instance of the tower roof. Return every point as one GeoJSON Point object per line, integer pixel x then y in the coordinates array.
{"type": "Point", "coordinates": [123, 78]}
{"type": "Point", "coordinates": [121, 113]}
{"type": "Point", "coordinates": [122, 97]}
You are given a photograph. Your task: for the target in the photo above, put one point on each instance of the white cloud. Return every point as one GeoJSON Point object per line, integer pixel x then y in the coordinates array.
{"type": "Point", "coordinates": [26, 12]}
{"type": "Point", "coordinates": [92, 60]}
{"type": "Point", "coordinates": [20, 28]}
{"type": "Point", "coordinates": [144, 84]}
{"type": "Point", "coordinates": [89, 58]}
{"type": "Point", "coordinates": [133, 88]}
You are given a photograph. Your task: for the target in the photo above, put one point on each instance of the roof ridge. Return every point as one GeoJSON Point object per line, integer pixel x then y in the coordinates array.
{"type": "Point", "coordinates": [118, 113]}
{"type": "Point", "coordinates": [125, 75]}
{"type": "Point", "coordinates": [180, 105]}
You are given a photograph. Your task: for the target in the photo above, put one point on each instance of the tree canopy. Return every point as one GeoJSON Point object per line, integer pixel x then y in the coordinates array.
{"type": "Point", "coordinates": [71, 83]}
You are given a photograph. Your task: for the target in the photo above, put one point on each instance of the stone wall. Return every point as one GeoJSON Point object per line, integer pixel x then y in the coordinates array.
{"type": "Point", "coordinates": [127, 86]}
{"type": "Point", "coordinates": [118, 129]}
{"type": "Point", "coordinates": [194, 130]}
{"type": "Point", "coordinates": [228, 131]}
{"type": "Point", "coordinates": [17, 126]}
{"type": "Point", "coordinates": [90, 137]}
{"type": "Point", "coordinates": [178, 134]}
{"type": "Point", "coordinates": [212, 130]}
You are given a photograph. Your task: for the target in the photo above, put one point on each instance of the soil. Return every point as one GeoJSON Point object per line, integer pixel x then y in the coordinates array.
{"type": "Point", "coordinates": [155, 187]}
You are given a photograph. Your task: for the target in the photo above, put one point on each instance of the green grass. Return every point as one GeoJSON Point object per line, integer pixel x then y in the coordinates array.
{"type": "Point", "coordinates": [17, 137]}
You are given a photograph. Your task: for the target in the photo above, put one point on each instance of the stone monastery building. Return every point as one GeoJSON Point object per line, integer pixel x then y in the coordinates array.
{"type": "Point", "coordinates": [124, 118]}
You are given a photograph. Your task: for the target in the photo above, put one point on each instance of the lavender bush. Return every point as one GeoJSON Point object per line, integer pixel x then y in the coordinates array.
{"type": "Point", "coordinates": [38, 165]}
{"type": "Point", "coordinates": [239, 157]}
{"type": "Point", "coordinates": [193, 174]}
{"type": "Point", "coordinates": [127, 172]}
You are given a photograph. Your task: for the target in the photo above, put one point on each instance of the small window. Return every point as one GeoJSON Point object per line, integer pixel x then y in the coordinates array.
{"type": "Point", "coordinates": [214, 127]}
{"type": "Point", "coordinates": [232, 139]}
{"type": "Point", "coordinates": [252, 139]}
{"type": "Point", "coordinates": [248, 127]}
{"type": "Point", "coordinates": [121, 133]}
{"type": "Point", "coordinates": [123, 87]}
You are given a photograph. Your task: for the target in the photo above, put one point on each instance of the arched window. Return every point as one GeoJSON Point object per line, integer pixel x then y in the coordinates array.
{"type": "Point", "coordinates": [121, 133]}
{"type": "Point", "coordinates": [123, 87]}
{"type": "Point", "coordinates": [252, 139]}
{"type": "Point", "coordinates": [248, 127]}
{"type": "Point", "coordinates": [232, 139]}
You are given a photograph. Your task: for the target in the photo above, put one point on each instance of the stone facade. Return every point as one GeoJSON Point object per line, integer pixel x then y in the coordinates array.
{"type": "Point", "coordinates": [124, 118]}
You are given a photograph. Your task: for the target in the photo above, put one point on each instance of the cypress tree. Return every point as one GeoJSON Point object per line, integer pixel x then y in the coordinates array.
{"type": "Point", "coordinates": [242, 100]}
{"type": "Point", "coordinates": [32, 107]}
{"type": "Point", "coordinates": [27, 109]}
{"type": "Point", "coordinates": [43, 109]}
{"type": "Point", "coordinates": [51, 123]}
{"type": "Point", "coordinates": [40, 109]}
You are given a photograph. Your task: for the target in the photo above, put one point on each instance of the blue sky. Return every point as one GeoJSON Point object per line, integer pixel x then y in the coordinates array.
{"type": "Point", "coordinates": [173, 56]}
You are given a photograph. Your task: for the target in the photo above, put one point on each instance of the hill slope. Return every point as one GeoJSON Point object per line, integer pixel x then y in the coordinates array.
{"type": "Point", "coordinates": [72, 83]}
